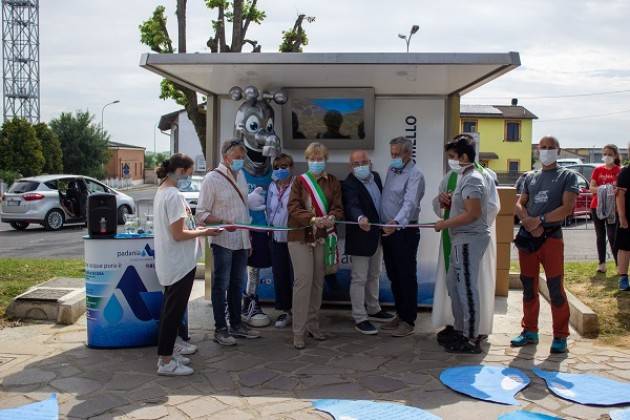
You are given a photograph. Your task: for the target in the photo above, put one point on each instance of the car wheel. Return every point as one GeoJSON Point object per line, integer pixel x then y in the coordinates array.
{"type": "Point", "coordinates": [123, 211]}
{"type": "Point", "coordinates": [19, 225]}
{"type": "Point", "coordinates": [54, 220]}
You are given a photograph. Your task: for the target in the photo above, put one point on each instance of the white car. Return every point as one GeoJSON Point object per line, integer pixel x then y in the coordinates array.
{"type": "Point", "coordinates": [55, 200]}
{"type": "Point", "coordinates": [569, 161]}
{"type": "Point", "coordinates": [191, 194]}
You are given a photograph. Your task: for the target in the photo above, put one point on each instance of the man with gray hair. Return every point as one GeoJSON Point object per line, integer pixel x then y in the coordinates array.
{"type": "Point", "coordinates": [223, 200]}
{"type": "Point", "coordinates": [400, 205]}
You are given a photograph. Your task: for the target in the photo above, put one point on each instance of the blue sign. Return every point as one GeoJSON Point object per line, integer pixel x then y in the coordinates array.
{"type": "Point", "coordinates": [125, 170]}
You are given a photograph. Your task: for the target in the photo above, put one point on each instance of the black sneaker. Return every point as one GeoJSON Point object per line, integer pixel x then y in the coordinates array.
{"type": "Point", "coordinates": [365, 327]}
{"type": "Point", "coordinates": [223, 337]}
{"type": "Point", "coordinates": [447, 335]}
{"type": "Point", "coordinates": [464, 346]}
{"type": "Point", "coordinates": [381, 316]}
{"type": "Point", "coordinates": [243, 331]}
{"type": "Point", "coordinates": [252, 314]}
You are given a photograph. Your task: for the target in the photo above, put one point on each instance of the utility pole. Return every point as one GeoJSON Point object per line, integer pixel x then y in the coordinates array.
{"type": "Point", "coordinates": [406, 38]}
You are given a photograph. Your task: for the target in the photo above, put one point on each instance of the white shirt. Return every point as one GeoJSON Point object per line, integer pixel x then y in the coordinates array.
{"type": "Point", "coordinates": [277, 212]}
{"type": "Point", "coordinates": [173, 259]}
{"type": "Point", "coordinates": [219, 199]}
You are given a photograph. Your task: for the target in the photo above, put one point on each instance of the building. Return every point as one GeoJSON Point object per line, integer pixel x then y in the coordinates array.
{"type": "Point", "coordinates": [505, 133]}
{"type": "Point", "coordinates": [184, 139]}
{"type": "Point", "coordinates": [126, 162]}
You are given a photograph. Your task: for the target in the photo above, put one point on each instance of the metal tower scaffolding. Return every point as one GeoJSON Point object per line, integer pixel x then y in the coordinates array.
{"type": "Point", "coordinates": [20, 59]}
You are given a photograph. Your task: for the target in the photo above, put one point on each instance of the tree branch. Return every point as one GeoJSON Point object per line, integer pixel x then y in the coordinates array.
{"type": "Point", "coordinates": [249, 17]}
{"type": "Point", "coordinates": [237, 26]}
{"type": "Point", "coordinates": [181, 26]}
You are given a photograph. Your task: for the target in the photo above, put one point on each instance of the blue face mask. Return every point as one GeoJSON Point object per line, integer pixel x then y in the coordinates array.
{"type": "Point", "coordinates": [316, 167]}
{"type": "Point", "coordinates": [280, 174]}
{"type": "Point", "coordinates": [237, 165]}
{"type": "Point", "coordinates": [397, 163]}
{"type": "Point", "coordinates": [362, 172]}
{"type": "Point", "coordinates": [184, 182]}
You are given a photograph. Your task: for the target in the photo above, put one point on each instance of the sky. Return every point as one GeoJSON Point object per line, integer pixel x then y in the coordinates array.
{"type": "Point", "coordinates": [90, 52]}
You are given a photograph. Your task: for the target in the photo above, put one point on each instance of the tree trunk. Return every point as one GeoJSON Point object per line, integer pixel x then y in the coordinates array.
{"type": "Point", "coordinates": [237, 26]}
{"type": "Point", "coordinates": [181, 26]}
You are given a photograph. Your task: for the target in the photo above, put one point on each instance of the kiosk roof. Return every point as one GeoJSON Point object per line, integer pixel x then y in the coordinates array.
{"type": "Point", "coordinates": [388, 73]}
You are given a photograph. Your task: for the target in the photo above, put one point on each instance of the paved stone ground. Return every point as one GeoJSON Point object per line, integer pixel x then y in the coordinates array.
{"type": "Point", "coordinates": [268, 379]}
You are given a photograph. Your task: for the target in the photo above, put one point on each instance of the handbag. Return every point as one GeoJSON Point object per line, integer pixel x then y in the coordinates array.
{"type": "Point", "coordinates": [528, 243]}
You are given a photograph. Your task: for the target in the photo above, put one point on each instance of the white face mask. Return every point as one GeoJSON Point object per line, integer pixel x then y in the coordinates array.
{"type": "Point", "coordinates": [454, 165]}
{"type": "Point", "coordinates": [608, 160]}
{"type": "Point", "coordinates": [548, 157]}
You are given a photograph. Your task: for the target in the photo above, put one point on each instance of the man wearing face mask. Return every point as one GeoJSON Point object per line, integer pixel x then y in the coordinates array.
{"type": "Point", "coordinates": [362, 191]}
{"type": "Point", "coordinates": [400, 205]}
{"type": "Point", "coordinates": [547, 199]}
{"type": "Point", "coordinates": [223, 200]}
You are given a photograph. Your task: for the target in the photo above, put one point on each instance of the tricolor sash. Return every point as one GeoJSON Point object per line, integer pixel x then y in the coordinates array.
{"type": "Point", "coordinates": [321, 207]}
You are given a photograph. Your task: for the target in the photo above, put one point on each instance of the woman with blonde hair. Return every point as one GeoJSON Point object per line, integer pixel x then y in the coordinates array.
{"type": "Point", "coordinates": [314, 205]}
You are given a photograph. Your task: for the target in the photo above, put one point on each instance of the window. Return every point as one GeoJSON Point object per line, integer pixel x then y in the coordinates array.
{"type": "Point", "coordinates": [469, 126]}
{"type": "Point", "coordinates": [23, 186]}
{"type": "Point", "coordinates": [512, 131]}
{"type": "Point", "coordinates": [514, 166]}
{"type": "Point", "coordinates": [95, 187]}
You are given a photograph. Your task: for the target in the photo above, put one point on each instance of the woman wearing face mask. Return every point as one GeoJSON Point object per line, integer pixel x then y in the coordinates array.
{"type": "Point", "coordinates": [176, 251]}
{"type": "Point", "coordinates": [314, 205]}
{"type": "Point", "coordinates": [603, 181]}
{"type": "Point", "coordinates": [278, 215]}
{"type": "Point", "coordinates": [469, 233]}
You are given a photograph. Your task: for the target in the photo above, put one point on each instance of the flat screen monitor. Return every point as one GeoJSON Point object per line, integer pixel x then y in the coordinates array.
{"type": "Point", "coordinates": [339, 118]}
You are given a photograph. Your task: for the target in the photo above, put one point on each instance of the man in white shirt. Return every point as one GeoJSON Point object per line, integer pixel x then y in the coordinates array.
{"type": "Point", "coordinates": [223, 200]}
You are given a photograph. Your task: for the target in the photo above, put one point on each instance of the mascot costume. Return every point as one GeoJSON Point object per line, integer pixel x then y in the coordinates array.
{"type": "Point", "coordinates": [442, 314]}
{"type": "Point", "coordinates": [254, 125]}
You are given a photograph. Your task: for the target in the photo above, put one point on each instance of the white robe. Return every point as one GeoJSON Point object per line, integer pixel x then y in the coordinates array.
{"type": "Point", "coordinates": [442, 314]}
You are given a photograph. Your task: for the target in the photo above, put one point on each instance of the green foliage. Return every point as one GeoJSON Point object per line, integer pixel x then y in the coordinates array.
{"type": "Point", "coordinates": [20, 149]}
{"type": "Point", "coordinates": [295, 38]}
{"type": "Point", "coordinates": [9, 176]}
{"type": "Point", "coordinates": [251, 12]}
{"type": "Point", "coordinates": [168, 90]}
{"type": "Point", "coordinates": [154, 34]}
{"type": "Point", "coordinates": [151, 160]}
{"type": "Point", "coordinates": [51, 148]}
{"type": "Point", "coordinates": [84, 146]}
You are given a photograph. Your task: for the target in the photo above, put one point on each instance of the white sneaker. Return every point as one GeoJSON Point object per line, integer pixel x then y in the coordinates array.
{"type": "Point", "coordinates": [182, 359]}
{"type": "Point", "coordinates": [184, 347]}
{"type": "Point", "coordinates": [174, 368]}
{"type": "Point", "coordinates": [283, 320]}
{"type": "Point", "coordinates": [601, 268]}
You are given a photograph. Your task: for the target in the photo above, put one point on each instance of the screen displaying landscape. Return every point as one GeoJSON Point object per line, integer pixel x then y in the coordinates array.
{"type": "Point", "coordinates": [328, 118]}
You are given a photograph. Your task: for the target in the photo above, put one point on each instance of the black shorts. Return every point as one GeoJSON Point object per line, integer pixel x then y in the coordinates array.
{"type": "Point", "coordinates": [261, 250]}
{"type": "Point", "coordinates": [622, 241]}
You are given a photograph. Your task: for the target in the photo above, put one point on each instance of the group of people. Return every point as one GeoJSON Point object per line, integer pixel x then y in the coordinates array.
{"type": "Point", "coordinates": [381, 224]}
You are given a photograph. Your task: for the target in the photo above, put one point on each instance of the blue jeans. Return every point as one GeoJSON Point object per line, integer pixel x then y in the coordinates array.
{"type": "Point", "coordinates": [229, 276]}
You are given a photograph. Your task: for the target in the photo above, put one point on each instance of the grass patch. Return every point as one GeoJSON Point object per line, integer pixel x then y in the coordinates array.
{"type": "Point", "coordinates": [600, 292]}
{"type": "Point", "coordinates": [17, 275]}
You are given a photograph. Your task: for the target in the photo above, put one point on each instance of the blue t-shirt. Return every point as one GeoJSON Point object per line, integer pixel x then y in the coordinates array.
{"type": "Point", "coordinates": [254, 181]}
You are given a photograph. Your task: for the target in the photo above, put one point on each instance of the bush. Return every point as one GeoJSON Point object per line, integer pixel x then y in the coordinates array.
{"type": "Point", "coordinates": [9, 177]}
{"type": "Point", "coordinates": [20, 149]}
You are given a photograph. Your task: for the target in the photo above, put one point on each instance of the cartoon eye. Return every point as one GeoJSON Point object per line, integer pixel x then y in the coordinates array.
{"type": "Point", "coordinates": [270, 125]}
{"type": "Point", "coordinates": [252, 124]}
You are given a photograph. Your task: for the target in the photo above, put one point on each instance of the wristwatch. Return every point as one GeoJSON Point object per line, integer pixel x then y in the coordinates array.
{"type": "Point", "coordinates": [542, 219]}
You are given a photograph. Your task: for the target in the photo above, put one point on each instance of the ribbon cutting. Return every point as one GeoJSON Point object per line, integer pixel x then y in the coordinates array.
{"type": "Point", "coordinates": [267, 228]}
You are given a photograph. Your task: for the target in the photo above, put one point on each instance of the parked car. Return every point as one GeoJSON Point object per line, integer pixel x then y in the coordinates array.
{"type": "Point", "coordinates": [191, 194]}
{"type": "Point", "coordinates": [582, 202]}
{"type": "Point", "coordinates": [585, 169]}
{"type": "Point", "coordinates": [569, 161]}
{"type": "Point", "coordinates": [55, 200]}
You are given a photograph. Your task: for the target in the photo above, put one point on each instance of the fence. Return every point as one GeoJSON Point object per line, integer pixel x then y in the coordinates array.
{"type": "Point", "coordinates": [118, 183]}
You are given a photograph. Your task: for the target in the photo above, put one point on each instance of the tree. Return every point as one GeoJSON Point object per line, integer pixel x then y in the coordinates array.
{"type": "Point", "coordinates": [151, 160]}
{"type": "Point", "coordinates": [293, 39]}
{"type": "Point", "coordinates": [20, 149]}
{"type": "Point", "coordinates": [240, 14]}
{"type": "Point", "coordinates": [51, 148]}
{"type": "Point", "coordinates": [83, 144]}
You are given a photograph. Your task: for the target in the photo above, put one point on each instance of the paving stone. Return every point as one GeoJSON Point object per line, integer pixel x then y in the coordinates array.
{"type": "Point", "coordinates": [282, 383]}
{"type": "Point", "coordinates": [623, 374]}
{"type": "Point", "coordinates": [201, 407]}
{"type": "Point", "coordinates": [321, 370]}
{"type": "Point", "coordinates": [148, 412]}
{"type": "Point", "coordinates": [128, 381]}
{"type": "Point", "coordinates": [220, 380]}
{"type": "Point", "coordinates": [622, 365]}
{"type": "Point", "coordinates": [256, 377]}
{"type": "Point", "coordinates": [183, 395]}
{"type": "Point", "coordinates": [241, 363]}
{"type": "Point", "coordinates": [96, 405]}
{"type": "Point", "coordinates": [542, 399]}
{"type": "Point", "coordinates": [381, 384]}
{"type": "Point", "coordinates": [11, 401]}
{"type": "Point", "coordinates": [318, 381]}
{"type": "Point", "coordinates": [337, 391]}
{"type": "Point", "coordinates": [588, 367]}
{"type": "Point", "coordinates": [414, 378]}
{"type": "Point", "coordinates": [585, 412]}
{"type": "Point", "coordinates": [232, 414]}
{"type": "Point", "coordinates": [391, 348]}
{"type": "Point", "coordinates": [360, 363]}
{"type": "Point", "coordinates": [282, 407]}
{"type": "Point", "coordinates": [175, 414]}
{"type": "Point", "coordinates": [286, 366]}
{"type": "Point", "coordinates": [76, 385]}
{"type": "Point", "coordinates": [28, 377]}
{"type": "Point", "coordinates": [152, 393]}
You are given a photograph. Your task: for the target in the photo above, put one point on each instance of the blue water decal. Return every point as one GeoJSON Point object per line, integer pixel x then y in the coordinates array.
{"type": "Point", "coordinates": [489, 383]}
{"type": "Point", "coordinates": [153, 301]}
{"type": "Point", "coordinates": [150, 252]}
{"type": "Point", "coordinates": [113, 311]}
{"type": "Point", "coordinates": [43, 410]}
{"type": "Point", "coordinates": [586, 388]}
{"type": "Point", "coordinates": [131, 286]}
{"type": "Point", "coordinates": [371, 410]}
{"type": "Point", "coordinates": [343, 105]}
{"type": "Point", "coordinates": [622, 414]}
{"type": "Point", "coordinates": [527, 415]}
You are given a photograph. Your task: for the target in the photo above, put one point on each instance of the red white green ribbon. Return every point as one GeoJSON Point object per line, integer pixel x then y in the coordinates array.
{"type": "Point", "coordinates": [267, 228]}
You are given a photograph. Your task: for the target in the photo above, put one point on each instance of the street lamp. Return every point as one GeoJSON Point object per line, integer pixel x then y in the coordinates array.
{"type": "Point", "coordinates": [103, 112]}
{"type": "Point", "coordinates": [407, 39]}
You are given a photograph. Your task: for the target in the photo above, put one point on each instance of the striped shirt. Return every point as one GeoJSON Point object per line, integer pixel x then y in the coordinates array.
{"type": "Point", "coordinates": [219, 199]}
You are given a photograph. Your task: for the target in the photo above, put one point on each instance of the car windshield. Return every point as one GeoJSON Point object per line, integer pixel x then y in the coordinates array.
{"type": "Point", "coordinates": [195, 186]}
{"type": "Point", "coordinates": [23, 186]}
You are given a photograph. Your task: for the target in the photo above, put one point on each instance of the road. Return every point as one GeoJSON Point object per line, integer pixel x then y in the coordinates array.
{"type": "Point", "coordinates": [35, 242]}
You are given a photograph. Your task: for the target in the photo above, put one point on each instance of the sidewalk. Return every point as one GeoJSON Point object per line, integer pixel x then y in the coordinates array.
{"type": "Point", "coordinates": [269, 379]}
